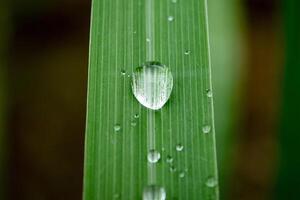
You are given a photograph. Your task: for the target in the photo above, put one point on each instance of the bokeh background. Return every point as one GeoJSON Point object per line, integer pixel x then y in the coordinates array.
{"type": "Point", "coordinates": [255, 51]}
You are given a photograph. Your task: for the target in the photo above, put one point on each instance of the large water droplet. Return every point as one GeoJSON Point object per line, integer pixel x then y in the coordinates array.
{"type": "Point", "coordinates": [117, 127]}
{"type": "Point", "coordinates": [152, 85]}
{"type": "Point", "coordinates": [211, 182]}
{"type": "Point", "coordinates": [153, 156]}
{"type": "Point", "coordinates": [153, 192]}
{"type": "Point", "coordinates": [206, 129]}
{"type": "Point", "coordinates": [179, 147]}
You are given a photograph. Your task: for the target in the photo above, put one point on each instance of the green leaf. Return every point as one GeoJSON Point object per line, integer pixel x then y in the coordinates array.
{"type": "Point", "coordinates": [124, 35]}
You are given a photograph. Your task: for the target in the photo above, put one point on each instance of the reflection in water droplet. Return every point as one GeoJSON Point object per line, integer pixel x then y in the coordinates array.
{"type": "Point", "coordinates": [170, 18]}
{"type": "Point", "coordinates": [123, 72]}
{"type": "Point", "coordinates": [117, 127]}
{"type": "Point", "coordinates": [187, 52]}
{"type": "Point", "coordinates": [152, 85]}
{"type": "Point", "coordinates": [169, 159]}
{"type": "Point", "coordinates": [181, 174]}
{"type": "Point", "coordinates": [206, 129]}
{"type": "Point", "coordinates": [209, 93]}
{"type": "Point", "coordinates": [153, 156]}
{"type": "Point", "coordinates": [211, 182]}
{"type": "Point", "coordinates": [179, 147]}
{"type": "Point", "coordinates": [153, 192]}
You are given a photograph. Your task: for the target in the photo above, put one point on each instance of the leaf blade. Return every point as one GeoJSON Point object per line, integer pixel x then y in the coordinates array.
{"type": "Point", "coordinates": [116, 163]}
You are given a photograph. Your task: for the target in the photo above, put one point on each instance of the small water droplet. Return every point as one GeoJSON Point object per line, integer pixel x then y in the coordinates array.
{"type": "Point", "coordinates": [163, 149]}
{"type": "Point", "coordinates": [179, 147]}
{"type": "Point", "coordinates": [133, 123]}
{"type": "Point", "coordinates": [173, 169]}
{"type": "Point", "coordinates": [153, 192]}
{"type": "Point", "coordinates": [134, 32]}
{"type": "Point", "coordinates": [136, 115]}
{"type": "Point", "coordinates": [148, 40]}
{"type": "Point", "coordinates": [174, 1]}
{"type": "Point", "coordinates": [206, 129]}
{"type": "Point", "coordinates": [117, 127]}
{"type": "Point", "coordinates": [123, 72]}
{"type": "Point", "coordinates": [211, 182]}
{"type": "Point", "coordinates": [153, 156]}
{"type": "Point", "coordinates": [181, 174]}
{"type": "Point", "coordinates": [116, 196]}
{"type": "Point", "coordinates": [209, 93]}
{"type": "Point", "coordinates": [187, 52]}
{"type": "Point", "coordinates": [171, 18]}
{"type": "Point", "coordinates": [169, 159]}
{"type": "Point", "coordinates": [152, 85]}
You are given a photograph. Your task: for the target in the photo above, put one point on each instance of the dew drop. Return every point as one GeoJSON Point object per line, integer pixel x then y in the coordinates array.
{"type": "Point", "coordinates": [123, 72]}
{"type": "Point", "coordinates": [153, 192]}
{"type": "Point", "coordinates": [179, 147]}
{"type": "Point", "coordinates": [211, 182]}
{"type": "Point", "coordinates": [116, 196]}
{"type": "Point", "coordinates": [209, 93]}
{"type": "Point", "coordinates": [153, 156]}
{"type": "Point", "coordinates": [117, 127]}
{"type": "Point", "coordinates": [169, 159]}
{"type": "Point", "coordinates": [152, 85]}
{"type": "Point", "coordinates": [181, 174]}
{"type": "Point", "coordinates": [133, 123]}
{"type": "Point", "coordinates": [187, 52]}
{"type": "Point", "coordinates": [206, 129]}
{"type": "Point", "coordinates": [171, 18]}
{"type": "Point", "coordinates": [148, 40]}
{"type": "Point", "coordinates": [173, 169]}
{"type": "Point", "coordinates": [136, 115]}
{"type": "Point", "coordinates": [174, 1]}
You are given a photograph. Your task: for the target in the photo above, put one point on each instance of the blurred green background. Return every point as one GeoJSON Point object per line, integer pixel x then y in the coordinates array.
{"type": "Point", "coordinates": [43, 77]}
